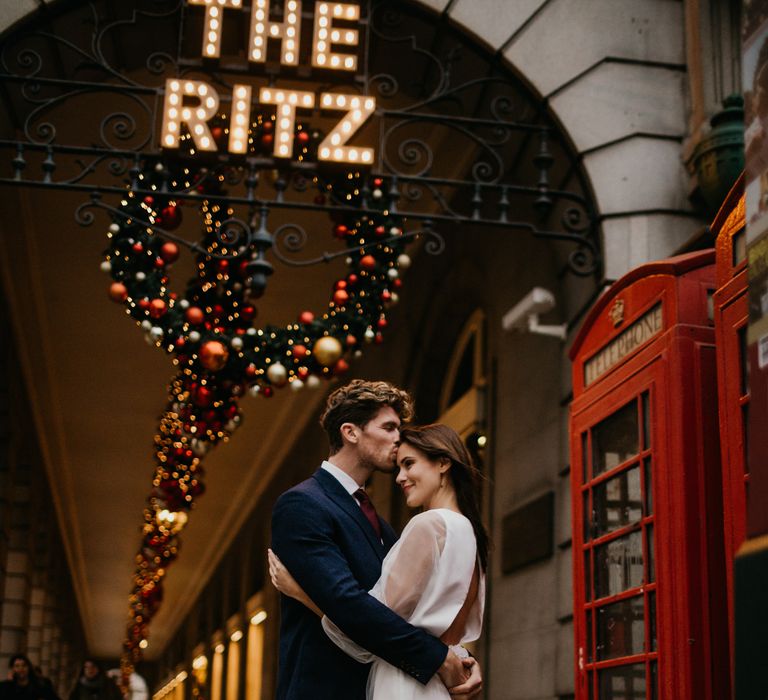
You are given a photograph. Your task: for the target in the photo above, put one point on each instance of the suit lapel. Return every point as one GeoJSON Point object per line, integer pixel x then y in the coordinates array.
{"type": "Point", "coordinates": [348, 504]}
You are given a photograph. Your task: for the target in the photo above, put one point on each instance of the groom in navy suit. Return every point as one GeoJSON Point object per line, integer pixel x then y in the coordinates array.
{"type": "Point", "coordinates": [326, 532]}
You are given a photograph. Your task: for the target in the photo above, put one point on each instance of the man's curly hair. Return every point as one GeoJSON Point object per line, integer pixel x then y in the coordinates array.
{"type": "Point", "coordinates": [358, 402]}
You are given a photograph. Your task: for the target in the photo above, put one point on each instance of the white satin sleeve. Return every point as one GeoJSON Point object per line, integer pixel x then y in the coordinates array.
{"type": "Point", "coordinates": [405, 575]}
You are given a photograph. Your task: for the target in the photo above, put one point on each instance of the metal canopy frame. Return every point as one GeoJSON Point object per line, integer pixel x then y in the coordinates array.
{"type": "Point", "coordinates": [459, 141]}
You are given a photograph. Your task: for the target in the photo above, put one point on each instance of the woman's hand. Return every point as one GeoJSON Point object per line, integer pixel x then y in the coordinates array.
{"type": "Point", "coordinates": [286, 584]}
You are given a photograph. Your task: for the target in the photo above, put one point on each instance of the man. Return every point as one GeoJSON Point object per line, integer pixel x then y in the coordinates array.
{"type": "Point", "coordinates": [327, 534]}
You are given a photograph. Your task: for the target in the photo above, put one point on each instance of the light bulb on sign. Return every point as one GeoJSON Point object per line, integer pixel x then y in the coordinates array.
{"type": "Point", "coordinates": [238, 124]}
{"type": "Point", "coordinates": [214, 11]}
{"type": "Point", "coordinates": [325, 35]}
{"type": "Point", "coordinates": [333, 147]}
{"type": "Point", "coordinates": [286, 31]}
{"type": "Point", "coordinates": [287, 101]}
{"type": "Point", "coordinates": [208, 103]}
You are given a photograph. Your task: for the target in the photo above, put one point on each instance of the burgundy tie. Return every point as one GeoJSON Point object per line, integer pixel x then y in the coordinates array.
{"type": "Point", "coordinates": [368, 511]}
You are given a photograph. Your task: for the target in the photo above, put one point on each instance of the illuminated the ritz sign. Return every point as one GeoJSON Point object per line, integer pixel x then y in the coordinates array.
{"type": "Point", "coordinates": [195, 102]}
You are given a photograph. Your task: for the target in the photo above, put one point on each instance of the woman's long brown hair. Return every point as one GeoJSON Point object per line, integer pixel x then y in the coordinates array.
{"type": "Point", "coordinates": [438, 440]}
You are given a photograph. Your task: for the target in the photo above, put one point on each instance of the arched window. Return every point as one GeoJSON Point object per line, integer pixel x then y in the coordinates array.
{"type": "Point", "coordinates": [462, 403]}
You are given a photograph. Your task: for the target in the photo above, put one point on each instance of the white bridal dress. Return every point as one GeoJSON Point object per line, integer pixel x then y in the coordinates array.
{"type": "Point", "coordinates": [425, 578]}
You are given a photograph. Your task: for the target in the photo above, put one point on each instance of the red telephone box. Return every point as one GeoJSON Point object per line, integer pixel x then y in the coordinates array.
{"type": "Point", "coordinates": [731, 316]}
{"type": "Point", "coordinates": [649, 583]}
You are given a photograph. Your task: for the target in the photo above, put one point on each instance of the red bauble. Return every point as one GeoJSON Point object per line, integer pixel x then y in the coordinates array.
{"type": "Point", "coordinates": [351, 340]}
{"type": "Point", "coordinates": [157, 308]}
{"type": "Point", "coordinates": [250, 370]}
{"type": "Point", "coordinates": [218, 310]}
{"type": "Point", "coordinates": [379, 338]}
{"type": "Point", "coordinates": [144, 304]}
{"type": "Point", "coordinates": [213, 355]}
{"type": "Point", "coordinates": [169, 252]}
{"type": "Point", "coordinates": [247, 313]}
{"type": "Point", "coordinates": [118, 292]}
{"type": "Point", "coordinates": [368, 262]}
{"type": "Point", "coordinates": [299, 351]}
{"type": "Point", "coordinates": [378, 182]}
{"type": "Point", "coordinates": [302, 137]}
{"type": "Point", "coordinates": [302, 373]}
{"type": "Point", "coordinates": [397, 283]}
{"type": "Point", "coordinates": [340, 231]}
{"type": "Point", "coordinates": [340, 284]}
{"type": "Point", "coordinates": [341, 366]}
{"type": "Point", "coordinates": [170, 217]}
{"type": "Point", "coordinates": [218, 135]}
{"type": "Point", "coordinates": [267, 392]}
{"type": "Point", "coordinates": [352, 279]}
{"type": "Point", "coordinates": [380, 230]}
{"type": "Point", "coordinates": [159, 263]}
{"type": "Point", "coordinates": [267, 140]}
{"type": "Point", "coordinates": [386, 295]}
{"type": "Point", "coordinates": [149, 200]}
{"type": "Point", "coordinates": [222, 265]}
{"type": "Point", "coordinates": [203, 396]}
{"type": "Point", "coordinates": [194, 315]}
{"type": "Point", "coordinates": [340, 297]}
{"type": "Point", "coordinates": [243, 267]}
{"type": "Point", "coordinates": [382, 323]}
{"type": "Point", "coordinates": [306, 317]}
{"type": "Point", "coordinates": [138, 247]}
{"type": "Point", "coordinates": [267, 125]}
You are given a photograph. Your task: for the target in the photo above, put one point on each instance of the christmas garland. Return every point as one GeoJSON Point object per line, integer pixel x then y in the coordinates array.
{"type": "Point", "coordinates": [209, 330]}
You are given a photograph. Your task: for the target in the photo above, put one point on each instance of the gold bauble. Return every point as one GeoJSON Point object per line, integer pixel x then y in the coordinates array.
{"type": "Point", "coordinates": [327, 350]}
{"type": "Point", "coordinates": [213, 355]}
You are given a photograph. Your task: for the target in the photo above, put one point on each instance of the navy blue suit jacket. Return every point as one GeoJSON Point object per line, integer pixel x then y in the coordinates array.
{"type": "Point", "coordinates": [325, 541]}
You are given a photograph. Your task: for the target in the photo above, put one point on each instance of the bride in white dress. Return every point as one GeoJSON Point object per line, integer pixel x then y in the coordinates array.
{"type": "Point", "coordinates": [434, 575]}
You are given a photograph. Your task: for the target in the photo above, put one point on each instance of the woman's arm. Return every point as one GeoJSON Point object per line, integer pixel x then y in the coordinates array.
{"type": "Point", "coordinates": [287, 585]}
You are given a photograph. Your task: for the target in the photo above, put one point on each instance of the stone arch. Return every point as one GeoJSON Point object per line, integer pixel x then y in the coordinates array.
{"type": "Point", "coordinates": [613, 74]}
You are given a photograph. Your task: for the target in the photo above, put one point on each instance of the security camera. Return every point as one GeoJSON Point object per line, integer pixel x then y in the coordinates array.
{"type": "Point", "coordinates": [524, 316]}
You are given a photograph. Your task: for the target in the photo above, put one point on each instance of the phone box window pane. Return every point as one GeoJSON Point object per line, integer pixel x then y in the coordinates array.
{"type": "Point", "coordinates": [587, 576]}
{"type": "Point", "coordinates": [650, 554]}
{"type": "Point", "coordinates": [648, 487]}
{"type": "Point", "coordinates": [614, 440]}
{"type": "Point", "coordinates": [620, 629]}
{"type": "Point", "coordinates": [646, 421]}
{"type": "Point", "coordinates": [619, 565]}
{"type": "Point", "coordinates": [617, 502]}
{"type": "Point", "coordinates": [622, 683]}
{"type": "Point", "coordinates": [587, 518]}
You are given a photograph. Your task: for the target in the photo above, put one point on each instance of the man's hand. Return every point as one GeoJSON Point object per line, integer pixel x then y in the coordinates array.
{"type": "Point", "coordinates": [452, 672]}
{"type": "Point", "coordinates": [473, 686]}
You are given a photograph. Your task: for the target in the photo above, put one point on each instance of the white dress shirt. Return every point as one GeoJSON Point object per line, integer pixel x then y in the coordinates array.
{"type": "Point", "coordinates": [349, 484]}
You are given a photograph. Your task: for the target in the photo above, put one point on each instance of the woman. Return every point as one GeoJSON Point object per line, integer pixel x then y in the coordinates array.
{"type": "Point", "coordinates": [434, 576]}
{"type": "Point", "coordinates": [24, 683]}
{"type": "Point", "coordinates": [94, 684]}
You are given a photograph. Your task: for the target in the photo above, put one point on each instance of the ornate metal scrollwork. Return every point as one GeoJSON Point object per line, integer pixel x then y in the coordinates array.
{"type": "Point", "coordinates": [458, 138]}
